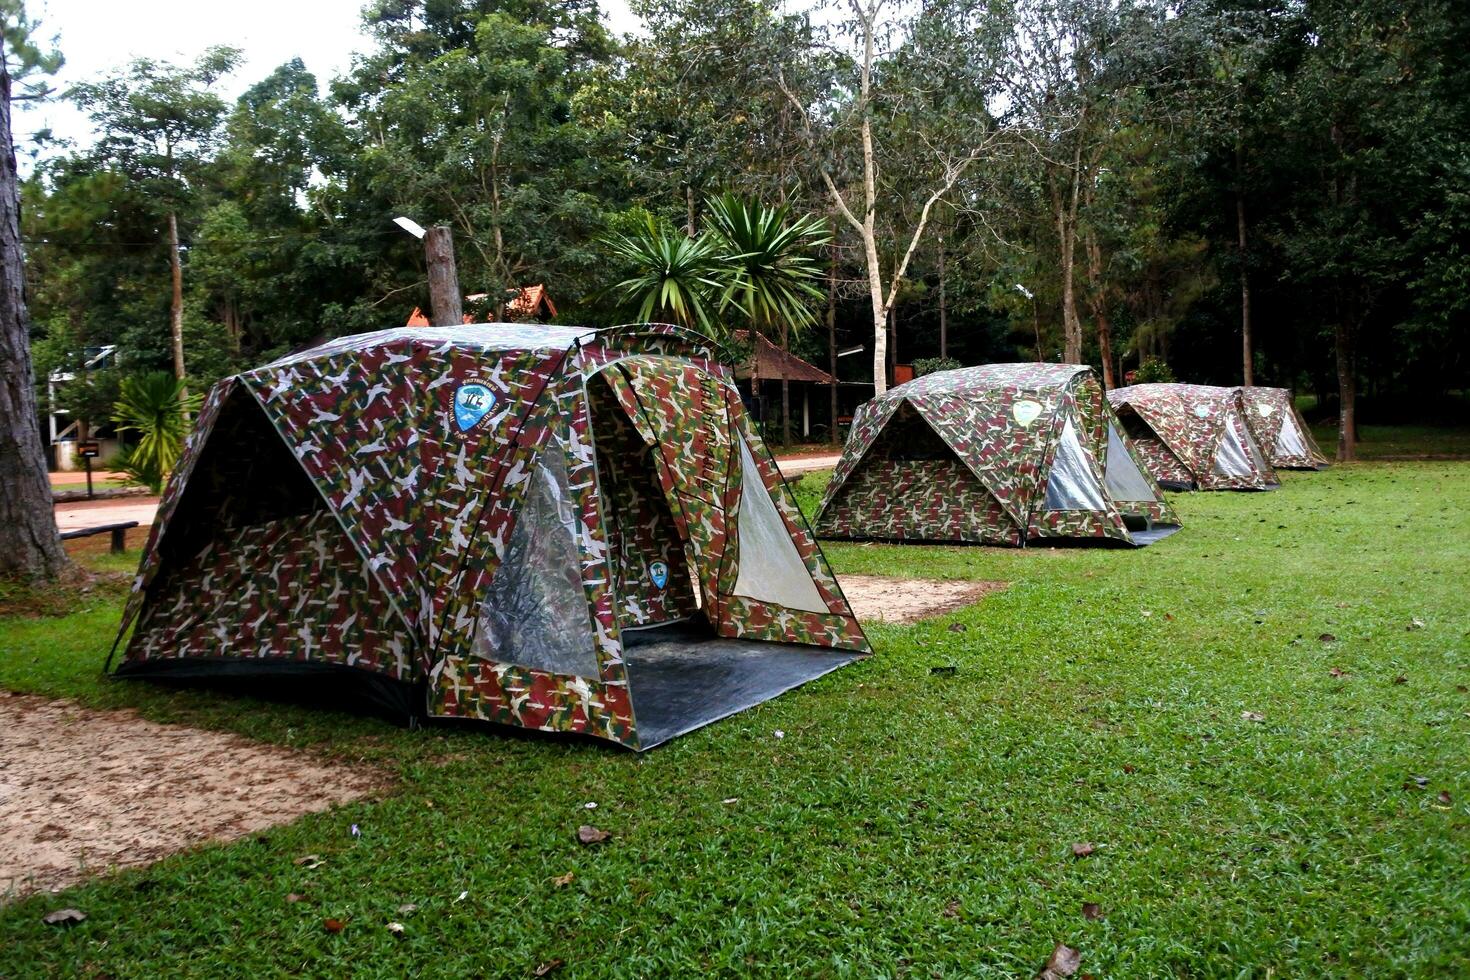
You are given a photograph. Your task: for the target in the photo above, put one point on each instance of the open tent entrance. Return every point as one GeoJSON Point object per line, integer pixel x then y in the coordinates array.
{"type": "Point", "coordinates": [681, 673]}
{"type": "Point", "coordinates": [254, 559]}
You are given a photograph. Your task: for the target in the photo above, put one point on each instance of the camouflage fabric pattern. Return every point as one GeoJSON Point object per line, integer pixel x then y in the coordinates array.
{"type": "Point", "coordinates": [1193, 421]}
{"type": "Point", "coordinates": [1002, 423]}
{"type": "Point", "coordinates": [918, 500]}
{"type": "Point", "coordinates": [316, 599]}
{"type": "Point", "coordinates": [427, 503]}
{"type": "Point", "coordinates": [1266, 412]}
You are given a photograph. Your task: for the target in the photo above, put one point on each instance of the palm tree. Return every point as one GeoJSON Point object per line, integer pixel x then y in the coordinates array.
{"type": "Point", "coordinates": [675, 277]}
{"type": "Point", "coordinates": [771, 271]}
{"type": "Point", "coordinates": [156, 407]}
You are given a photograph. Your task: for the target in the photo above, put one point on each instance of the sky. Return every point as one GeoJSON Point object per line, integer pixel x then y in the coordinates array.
{"type": "Point", "coordinates": [96, 36]}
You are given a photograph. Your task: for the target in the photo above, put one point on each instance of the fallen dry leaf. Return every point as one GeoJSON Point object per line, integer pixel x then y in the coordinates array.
{"type": "Point", "coordinates": [310, 861]}
{"type": "Point", "coordinates": [1129, 769]}
{"type": "Point", "coordinates": [1091, 910]}
{"type": "Point", "coordinates": [1401, 679]}
{"type": "Point", "coordinates": [952, 910]}
{"type": "Point", "coordinates": [1415, 624]}
{"type": "Point", "coordinates": [957, 627]}
{"type": "Point", "coordinates": [1082, 849]}
{"type": "Point", "coordinates": [1444, 797]}
{"type": "Point", "coordinates": [589, 834]}
{"type": "Point", "coordinates": [550, 966]}
{"type": "Point", "coordinates": [396, 928]}
{"type": "Point", "coordinates": [1338, 672]}
{"type": "Point", "coordinates": [64, 917]}
{"type": "Point", "coordinates": [1063, 962]}
{"type": "Point", "coordinates": [407, 908]}
{"type": "Point", "coordinates": [561, 881]}
{"type": "Point", "coordinates": [295, 897]}
{"type": "Point", "coordinates": [1327, 638]}
{"type": "Point", "coordinates": [333, 926]}
{"type": "Point", "coordinates": [1252, 716]}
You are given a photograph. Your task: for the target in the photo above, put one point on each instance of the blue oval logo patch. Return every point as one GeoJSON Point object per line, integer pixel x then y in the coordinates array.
{"type": "Point", "coordinates": [659, 572]}
{"type": "Point", "coordinates": [471, 404]}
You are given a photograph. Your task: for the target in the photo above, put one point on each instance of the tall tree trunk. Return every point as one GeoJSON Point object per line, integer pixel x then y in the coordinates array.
{"type": "Point", "coordinates": [1066, 211]}
{"type": "Point", "coordinates": [1347, 391]}
{"type": "Point", "coordinates": [943, 317]}
{"type": "Point", "coordinates": [893, 342]}
{"type": "Point", "coordinates": [30, 546]}
{"type": "Point", "coordinates": [1097, 301]}
{"type": "Point", "coordinates": [1248, 372]}
{"type": "Point", "coordinates": [785, 388]}
{"type": "Point", "coordinates": [176, 303]}
{"type": "Point", "coordinates": [832, 330]}
{"type": "Point", "coordinates": [445, 304]}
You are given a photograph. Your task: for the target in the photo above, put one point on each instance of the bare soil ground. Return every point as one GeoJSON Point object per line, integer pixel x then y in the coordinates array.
{"type": "Point", "coordinates": [876, 598]}
{"type": "Point", "coordinates": [82, 792]}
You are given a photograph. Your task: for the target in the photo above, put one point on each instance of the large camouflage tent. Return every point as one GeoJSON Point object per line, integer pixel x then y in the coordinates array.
{"type": "Point", "coordinates": [996, 454]}
{"type": "Point", "coordinates": [538, 526]}
{"type": "Point", "coordinates": [1193, 437]}
{"type": "Point", "coordinates": [1280, 430]}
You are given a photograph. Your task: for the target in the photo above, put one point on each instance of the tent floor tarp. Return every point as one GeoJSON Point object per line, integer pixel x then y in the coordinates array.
{"type": "Point", "coordinates": [683, 678]}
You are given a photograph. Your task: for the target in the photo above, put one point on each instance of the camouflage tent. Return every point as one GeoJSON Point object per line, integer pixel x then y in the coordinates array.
{"type": "Point", "coordinates": [1193, 437]}
{"type": "Point", "coordinates": [1280, 430]}
{"type": "Point", "coordinates": [997, 454]}
{"type": "Point", "coordinates": [538, 526]}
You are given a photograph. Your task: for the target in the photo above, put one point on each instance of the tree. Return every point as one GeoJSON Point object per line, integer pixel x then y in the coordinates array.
{"type": "Point", "coordinates": [156, 407]}
{"type": "Point", "coordinates": [157, 123]}
{"type": "Point", "coordinates": [674, 277]}
{"type": "Point", "coordinates": [771, 269]}
{"type": "Point", "coordinates": [30, 546]}
{"type": "Point", "coordinates": [921, 110]}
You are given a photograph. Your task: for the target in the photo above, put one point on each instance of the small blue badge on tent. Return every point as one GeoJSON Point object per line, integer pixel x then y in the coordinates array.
{"type": "Point", "coordinates": [659, 572]}
{"type": "Point", "coordinates": [471, 404]}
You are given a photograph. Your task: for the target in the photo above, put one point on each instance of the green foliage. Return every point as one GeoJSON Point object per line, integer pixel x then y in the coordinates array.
{"type": "Point", "coordinates": [153, 406]}
{"type": "Point", "coordinates": [675, 278]}
{"type": "Point", "coordinates": [1152, 371]}
{"type": "Point", "coordinates": [930, 365]}
{"type": "Point", "coordinates": [768, 261]}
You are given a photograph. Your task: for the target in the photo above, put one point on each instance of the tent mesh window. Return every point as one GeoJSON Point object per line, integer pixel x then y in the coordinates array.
{"type": "Point", "coordinates": [771, 569]}
{"type": "Point", "coordinates": [535, 611]}
{"type": "Point", "coordinates": [1124, 480]}
{"type": "Point", "coordinates": [1072, 484]}
{"type": "Point", "coordinates": [1231, 459]}
{"type": "Point", "coordinates": [1289, 440]}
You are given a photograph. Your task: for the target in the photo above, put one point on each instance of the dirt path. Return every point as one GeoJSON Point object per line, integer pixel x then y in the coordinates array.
{"type": "Point", "coordinates": [90, 513]}
{"type": "Point", "coordinates": [84, 791]}
{"type": "Point", "coordinates": [797, 465]}
{"type": "Point", "coordinates": [875, 598]}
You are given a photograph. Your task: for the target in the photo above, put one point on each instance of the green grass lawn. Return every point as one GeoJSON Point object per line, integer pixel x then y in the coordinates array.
{"type": "Point", "coordinates": [1402, 441]}
{"type": "Point", "coordinates": [908, 823]}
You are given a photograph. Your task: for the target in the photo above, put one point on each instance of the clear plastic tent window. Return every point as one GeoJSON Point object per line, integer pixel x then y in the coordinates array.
{"type": "Point", "coordinates": [1231, 456]}
{"type": "Point", "coordinates": [1072, 485]}
{"type": "Point", "coordinates": [771, 569]}
{"type": "Point", "coordinates": [1124, 480]}
{"type": "Point", "coordinates": [535, 612]}
{"type": "Point", "coordinates": [1290, 442]}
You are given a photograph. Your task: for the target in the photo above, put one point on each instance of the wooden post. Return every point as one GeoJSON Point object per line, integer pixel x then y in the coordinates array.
{"type": "Point", "coordinates": [445, 307]}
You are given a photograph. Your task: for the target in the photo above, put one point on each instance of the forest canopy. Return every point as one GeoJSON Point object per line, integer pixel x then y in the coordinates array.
{"type": "Point", "coordinates": [1266, 191]}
